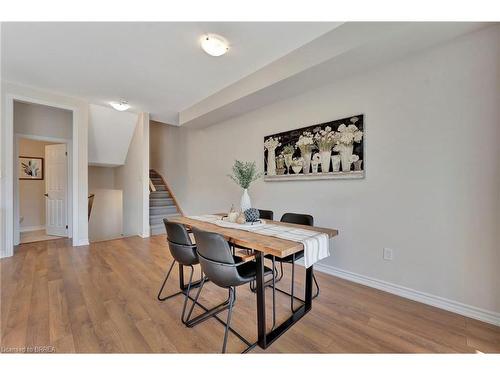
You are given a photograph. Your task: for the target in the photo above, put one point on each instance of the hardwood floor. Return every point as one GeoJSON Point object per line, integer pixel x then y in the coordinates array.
{"type": "Point", "coordinates": [102, 298]}
{"type": "Point", "coordinates": [36, 236]}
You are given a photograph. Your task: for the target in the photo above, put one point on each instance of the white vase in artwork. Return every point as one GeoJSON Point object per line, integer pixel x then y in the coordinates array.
{"type": "Point", "coordinates": [307, 162]}
{"type": "Point", "coordinates": [314, 166]}
{"type": "Point", "coordinates": [306, 145]}
{"type": "Point", "coordinates": [345, 152]}
{"type": "Point", "coordinates": [271, 162]}
{"type": "Point", "coordinates": [325, 161]}
{"type": "Point", "coordinates": [288, 161]}
{"type": "Point", "coordinates": [297, 165]}
{"type": "Point", "coordinates": [270, 145]}
{"type": "Point", "coordinates": [245, 202]}
{"type": "Point", "coordinates": [336, 163]}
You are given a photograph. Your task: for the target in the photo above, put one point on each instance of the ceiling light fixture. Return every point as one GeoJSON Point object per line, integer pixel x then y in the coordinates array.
{"type": "Point", "coordinates": [122, 105]}
{"type": "Point", "coordinates": [214, 45]}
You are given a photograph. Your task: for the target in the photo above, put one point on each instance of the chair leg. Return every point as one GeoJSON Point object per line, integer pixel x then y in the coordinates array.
{"type": "Point", "coordinates": [228, 323]}
{"type": "Point", "coordinates": [160, 298]}
{"type": "Point", "coordinates": [317, 286]}
{"type": "Point", "coordinates": [187, 295]}
{"type": "Point", "coordinates": [196, 298]}
{"type": "Point", "coordinates": [282, 273]}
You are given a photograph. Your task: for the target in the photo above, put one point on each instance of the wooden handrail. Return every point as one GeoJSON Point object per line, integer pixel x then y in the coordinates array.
{"type": "Point", "coordinates": [170, 192]}
{"type": "Point", "coordinates": [90, 204]}
{"type": "Point", "coordinates": [151, 186]}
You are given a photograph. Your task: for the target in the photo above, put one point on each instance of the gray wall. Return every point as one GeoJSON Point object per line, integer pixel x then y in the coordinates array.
{"type": "Point", "coordinates": [41, 120]}
{"type": "Point", "coordinates": [432, 182]}
{"type": "Point", "coordinates": [106, 219]}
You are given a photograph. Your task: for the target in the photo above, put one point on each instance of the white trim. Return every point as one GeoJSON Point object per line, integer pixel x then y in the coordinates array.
{"type": "Point", "coordinates": [8, 187]}
{"type": "Point", "coordinates": [81, 242]}
{"type": "Point", "coordinates": [145, 229]}
{"type": "Point", "coordinates": [317, 176]}
{"type": "Point", "coordinates": [32, 228]}
{"type": "Point", "coordinates": [67, 142]}
{"type": "Point", "coordinates": [415, 295]}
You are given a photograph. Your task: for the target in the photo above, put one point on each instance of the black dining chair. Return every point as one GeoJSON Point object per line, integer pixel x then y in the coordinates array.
{"type": "Point", "coordinates": [266, 214]}
{"type": "Point", "coordinates": [224, 270]}
{"type": "Point", "coordinates": [302, 219]}
{"type": "Point", "coordinates": [184, 252]}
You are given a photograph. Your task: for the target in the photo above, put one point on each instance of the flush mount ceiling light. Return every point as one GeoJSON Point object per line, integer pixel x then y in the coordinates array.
{"type": "Point", "coordinates": [122, 105]}
{"type": "Point", "coordinates": [214, 45]}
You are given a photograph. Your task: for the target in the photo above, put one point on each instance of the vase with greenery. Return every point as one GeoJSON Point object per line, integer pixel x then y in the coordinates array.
{"type": "Point", "coordinates": [280, 165]}
{"type": "Point", "coordinates": [270, 145]}
{"type": "Point", "coordinates": [345, 138]}
{"type": "Point", "coordinates": [324, 139]}
{"type": "Point", "coordinates": [244, 173]}
{"type": "Point", "coordinates": [287, 152]}
{"type": "Point", "coordinates": [306, 146]}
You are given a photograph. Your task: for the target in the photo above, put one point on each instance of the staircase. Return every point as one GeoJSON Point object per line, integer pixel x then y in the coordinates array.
{"type": "Point", "coordinates": [161, 203]}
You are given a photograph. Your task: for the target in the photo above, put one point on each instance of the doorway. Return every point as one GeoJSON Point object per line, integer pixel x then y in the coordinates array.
{"type": "Point", "coordinates": [42, 171]}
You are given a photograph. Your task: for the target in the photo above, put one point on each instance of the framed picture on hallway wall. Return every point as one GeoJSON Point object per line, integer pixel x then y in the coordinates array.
{"type": "Point", "coordinates": [333, 149]}
{"type": "Point", "coordinates": [30, 168]}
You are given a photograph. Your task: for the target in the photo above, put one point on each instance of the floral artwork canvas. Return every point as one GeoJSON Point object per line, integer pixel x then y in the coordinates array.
{"type": "Point", "coordinates": [30, 168]}
{"type": "Point", "coordinates": [333, 149]}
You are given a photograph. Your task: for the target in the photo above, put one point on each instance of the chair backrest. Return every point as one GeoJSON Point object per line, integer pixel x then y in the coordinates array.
{"type": "Point", "coordinates": [302, 219]}
{"type": "Point", "coordinates": [266, 214]}
{"type": "Point", "coordinates": [180, 244]}
{"type": "Point", "coordinates": [213, 246]}
{"type": "Point", "coordinates": [216, 259]}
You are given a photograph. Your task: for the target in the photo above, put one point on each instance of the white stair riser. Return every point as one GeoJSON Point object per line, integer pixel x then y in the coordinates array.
{"type": "Point", "coordinates": [166, 210]}
{"type": "Point", "coordinates": [161, 202]}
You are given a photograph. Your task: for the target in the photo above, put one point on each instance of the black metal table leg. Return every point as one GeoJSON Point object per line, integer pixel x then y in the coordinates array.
{"type": "Point", "coordinates": [309, 288]}
{"type": "Point", "coordinates": [261, 300]}
{"type": "Point", "coordinates": [265, 339]}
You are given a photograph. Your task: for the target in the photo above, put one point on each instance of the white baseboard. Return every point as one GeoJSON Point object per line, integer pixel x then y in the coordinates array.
{"type": "Point", "coordinates": [81, 242]}
{"type": "Point", "coordinates": [415, 295]}
{"type": "Point", "coordinates": [31, 229]}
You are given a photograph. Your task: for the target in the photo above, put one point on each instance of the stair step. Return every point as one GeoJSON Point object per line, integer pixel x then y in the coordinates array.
{"type": "Point", "coordinates": [160, 202]}
{"type": "Point", "coordinates": [157, 229]}
{"type": "Point", "coordinates": [160, 188]}
{"type": "Point", "coordinates": [159, 195]}
{"type": "Point", "coordinates": [162, 210]}
{"type": "Point", "coordinates": [158, 219]}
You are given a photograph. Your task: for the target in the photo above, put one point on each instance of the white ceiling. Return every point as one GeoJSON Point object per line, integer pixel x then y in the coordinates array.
{"type": "Point", "coordinates": [158, 67]}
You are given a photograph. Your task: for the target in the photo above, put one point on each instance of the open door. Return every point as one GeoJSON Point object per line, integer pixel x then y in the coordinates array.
{"type": "Point", "coordinates": [56, 190]}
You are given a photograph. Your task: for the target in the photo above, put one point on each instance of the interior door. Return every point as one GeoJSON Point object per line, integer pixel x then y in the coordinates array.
{"type": "Point", "coordinates": [56, 190]}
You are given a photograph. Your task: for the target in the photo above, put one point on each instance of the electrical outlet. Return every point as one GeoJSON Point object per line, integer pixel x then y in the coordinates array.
{"type": "Point", "coordinates": [388, 253]}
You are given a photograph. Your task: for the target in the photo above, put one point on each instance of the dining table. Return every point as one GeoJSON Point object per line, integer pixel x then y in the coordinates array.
{"type": "Point", "coordinates": [263, 245]}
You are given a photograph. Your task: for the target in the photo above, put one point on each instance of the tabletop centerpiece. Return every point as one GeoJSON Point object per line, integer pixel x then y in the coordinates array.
{"type": "Point", "coordinates": [244, 173]}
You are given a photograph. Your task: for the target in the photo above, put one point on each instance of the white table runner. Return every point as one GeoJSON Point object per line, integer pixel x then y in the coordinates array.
{"type": "Point", "coordinates": [316, 244]}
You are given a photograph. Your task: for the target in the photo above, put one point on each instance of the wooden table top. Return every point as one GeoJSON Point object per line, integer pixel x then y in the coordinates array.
{"type": "Point", "coordinates": [266, 244]}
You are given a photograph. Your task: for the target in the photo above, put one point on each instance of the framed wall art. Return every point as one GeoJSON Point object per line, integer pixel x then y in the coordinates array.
{"type": "Point", "coordinates": [30, 168]}
{"type": "Point", "coordinates": [333, 149]}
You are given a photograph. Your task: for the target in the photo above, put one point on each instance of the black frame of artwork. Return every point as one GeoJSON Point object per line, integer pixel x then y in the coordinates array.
{"type": "Point", "coordinates": [352, 169]}
{"type": "Point", "coordinates": [42, 168]}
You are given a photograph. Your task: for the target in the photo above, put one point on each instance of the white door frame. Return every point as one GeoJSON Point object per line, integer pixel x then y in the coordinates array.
{"type": "Point", "coordinates": [69, 207]}
{"type": "Point", "coordinates": [8, 188]}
